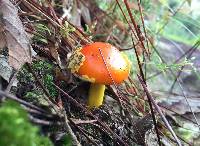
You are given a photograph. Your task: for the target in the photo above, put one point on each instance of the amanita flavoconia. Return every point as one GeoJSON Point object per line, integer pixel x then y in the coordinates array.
{"type": "Point", "coordinates": [101, 64]}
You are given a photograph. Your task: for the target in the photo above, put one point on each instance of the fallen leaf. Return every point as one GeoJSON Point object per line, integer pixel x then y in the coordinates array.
{"type": "Point", "coordinates": [63, 75]}
{"type": "Point", "coordinates": [54, 52]}
{"type": "Point", "coordinates": [179, 105]}
{"type": "Point", "coordinates": [15, 35]}
{"type": "Point", "coordinates": [2, 40]}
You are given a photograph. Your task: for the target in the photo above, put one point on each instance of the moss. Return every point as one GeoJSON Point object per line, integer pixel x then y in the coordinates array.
{"type": "Point", "coordinates": [15, 128]}
{"type": "Point", "coordinates": [48, 79]}
{"type": "Point", "coordinates": [28, 87]}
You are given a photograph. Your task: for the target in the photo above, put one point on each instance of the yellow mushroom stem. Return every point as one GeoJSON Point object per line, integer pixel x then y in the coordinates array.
{"type": "Point", "coordinates": [96, 94]}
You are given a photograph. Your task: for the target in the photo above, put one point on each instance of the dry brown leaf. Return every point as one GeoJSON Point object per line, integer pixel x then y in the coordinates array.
{"type": "Point", "coordinates": [2, 40]}
{"type": "Point", "coordinates": [15, 35]}
{"type": "Point", "coordinates": [53, 48]}
{"type": "Point", "coordinates": [63, 75]}
{"type": "Point", "coordinates": [179, 105]}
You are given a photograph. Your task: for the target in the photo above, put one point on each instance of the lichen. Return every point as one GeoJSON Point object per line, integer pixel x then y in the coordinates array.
{"type": "Point", "coordinates": [76, 60]}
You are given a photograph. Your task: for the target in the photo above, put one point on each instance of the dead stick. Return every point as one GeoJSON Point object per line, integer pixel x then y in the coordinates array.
{"type": "Point", "coordinates": [5, 94]}
{"type": "Point", "coordinates": [159, 110]}
{"type": "Point", "coordinates": [105, 127]}
{"type": "Point", "coordinates": [50, 101]}
{"type": "Point", "coordinates": [58, 110]}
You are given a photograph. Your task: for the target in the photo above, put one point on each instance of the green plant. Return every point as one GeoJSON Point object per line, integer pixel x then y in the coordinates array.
{"type": "Point", "coordinates": [15, 128]}
{"type": "Point", "coordinates": [41, 31]}
{"type": "Point", "coordinates": [48, 80]}
{"type": "Point", "coordinates": [65, 141]}
{"type": "Point", "coordinates": [66, 29]}
{"type": "Point", "coordinates": [46, 70]}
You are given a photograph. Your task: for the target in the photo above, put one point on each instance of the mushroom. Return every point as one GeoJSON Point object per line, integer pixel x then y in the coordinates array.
{"type": "Point", "coordinates": [101, 64]}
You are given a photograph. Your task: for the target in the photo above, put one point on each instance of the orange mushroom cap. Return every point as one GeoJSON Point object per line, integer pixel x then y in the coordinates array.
{"type": "Point", "coordinates": [100, 63]}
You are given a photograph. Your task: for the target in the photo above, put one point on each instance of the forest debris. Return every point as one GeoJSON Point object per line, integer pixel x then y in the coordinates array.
{"type": "Point", "coordinates": [180, 106]}
{"type": "Point", "coordinates": [2, 39]}
{"type": "Point", "coordinates": [159, 111]}
{"type": "Point", "coordinates": [53, 48]}
{"type": "Point", "coordinates": [144, 125]}
{"type": "Point", "coordinates": [15, 35]}
{"type": "Point", "coordinates": [79, 121]}
{"type": "Point", "coordinates": [5, 69]}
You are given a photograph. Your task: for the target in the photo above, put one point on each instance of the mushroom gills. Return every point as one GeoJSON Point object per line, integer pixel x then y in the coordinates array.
{"type": "Point", "coordinates": [96, 94]}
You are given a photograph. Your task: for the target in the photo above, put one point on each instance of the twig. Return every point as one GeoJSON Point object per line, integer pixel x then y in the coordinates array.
{"type": "Point", "coordinates": [159, 110]}
{"type": "Point", "coordinates": [192, 49]}
{"type": "Point", "coordinates": [189, 144]}
{"type": "Point", "coordinates": [135, 25]}
{"type": "Point", "coordinates": [126, 19]}
{"type": "Point", "coordinates": [104, 61]}
{"type": "Point", "coordinates": [182, 116]}
{"type": "Point", "coordinates": [78, 121]}
{"type": "Point", "coordinates": [90, 114]}
{"type": "Point", "coordinates": [188, 53]}
{"type": "Point", "coordinates": [120, 98]}
{"type": "Point", "coordinates": [138, 61]}
{"type": "Point", "coordinates": [57, 109]}
{"type": "Point", "coordinates": [68, 128]}
{"type": "Point", "coordinates": [39, 113]}
{"type": "Point", "coordinates": [42, 122]}
{"type": "Point", "coordinates": [36, 7]}
{"type": "Point", "coordinates": [2, 93]}
{"type": "Point", "coordinates": [70, 131]}
{"type": "Point", "coordinates": [50, 101]}
{"type": "Point", "coordinates": [84, 132]}
{"type": "Point", "coordinates": [143, 25]}
{"type": "Point", "coordinates": [149, 101]}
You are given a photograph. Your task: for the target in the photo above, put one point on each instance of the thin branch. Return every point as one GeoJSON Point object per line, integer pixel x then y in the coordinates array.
{"type": "Point", "coordinates": [137, 29]}
{"type": "Point", "coordinates": [149, 101]}
{"type": "Point", "coordinates": [143, 25]}
{"type": "Point", "coordinates": [159, 110]}
{"type": "Point", "coordinates": [50, 101]}
{"type": "Point", "coordinates": [70, 131]}
{"type": "Point", "coordinates": [57, 109]}
{"type": "Point", "coordinates": [189, 53]}
{"type": "Point", "coordinates": [90, 114]}
{"type": "Point", "coordinates": [126, 19]}
{"type": "Point", "coordinates": [7, 95]}
{"type": "Point", "coordinates": [192, 49]}
{"type": "Point", "coordinates": [43, 122]}
{"type": "Point", "coordinates": [84, 132]}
